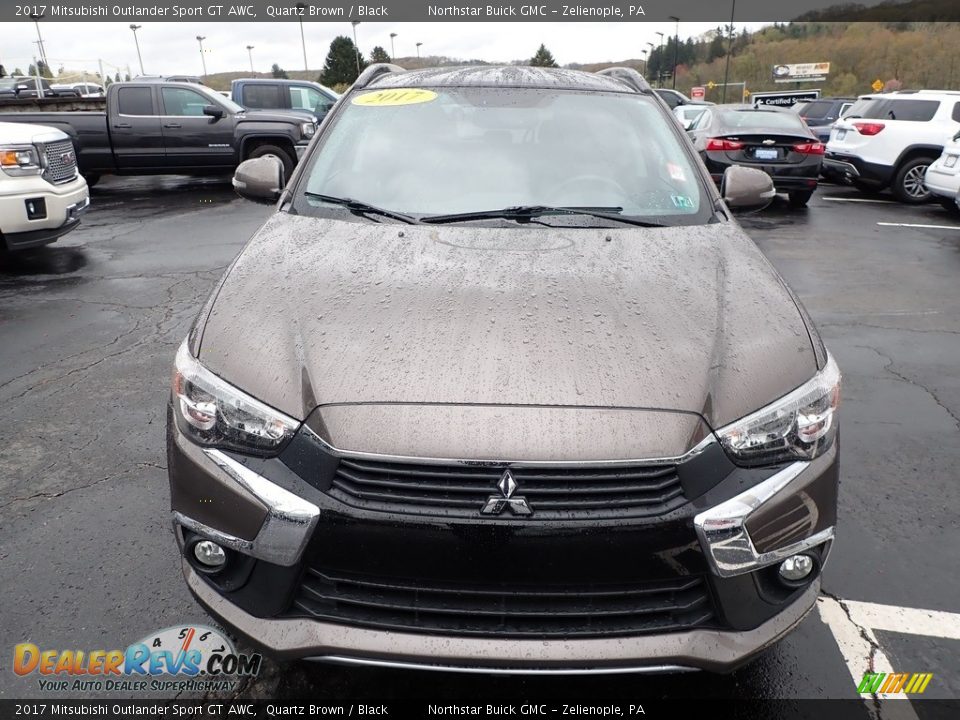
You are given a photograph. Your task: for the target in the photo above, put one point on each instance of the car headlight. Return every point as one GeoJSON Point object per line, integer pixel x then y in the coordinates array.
{"type": "Point", "coordinates": [213, 413]}
{"type": "Point", "coordinates": [20, 160]}
{"type": "Point", "coordinates": [799, 426]}
{"type": "Point", "coordinates": [307, 129]}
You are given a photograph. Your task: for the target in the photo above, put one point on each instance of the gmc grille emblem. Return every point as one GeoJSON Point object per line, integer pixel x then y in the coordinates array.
{"type": "Point", "coordinates": [67, 158]}
{"type": "Point", "coordinates": [496, 504]}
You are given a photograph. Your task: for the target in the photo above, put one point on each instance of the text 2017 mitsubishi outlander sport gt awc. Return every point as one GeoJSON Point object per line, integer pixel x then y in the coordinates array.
{"type": "Point", "coordinates": [502, 385]}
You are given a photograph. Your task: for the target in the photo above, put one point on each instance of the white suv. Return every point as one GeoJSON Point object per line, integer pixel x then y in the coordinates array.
{"type": "Point", "coordinates": [889, 140]}
{"type": "Point", "coordinates": [943, 177]}
{"type": "Point", "coordinates": [42, 196]}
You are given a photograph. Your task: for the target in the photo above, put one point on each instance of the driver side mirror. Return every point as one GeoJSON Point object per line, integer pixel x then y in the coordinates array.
{"type": "Point", "coordinates": [214, 111]}
{"type": "Point", "coordinates": [746, 189]}
{"type": "Point", "coordinates": [259, 179]}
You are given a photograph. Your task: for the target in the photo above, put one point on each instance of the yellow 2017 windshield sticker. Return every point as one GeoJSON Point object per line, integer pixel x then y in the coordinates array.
{"type": "Point", "coordinates": [394, 97]}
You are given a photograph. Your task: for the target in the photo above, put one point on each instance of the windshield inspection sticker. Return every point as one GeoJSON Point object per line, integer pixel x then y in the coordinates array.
{"type": "Point", "coordinates": [676, 172]}
{"type": "Point", "coordinates": [682, 201]}
{"type": "Point", "coordinates": [398, 96]}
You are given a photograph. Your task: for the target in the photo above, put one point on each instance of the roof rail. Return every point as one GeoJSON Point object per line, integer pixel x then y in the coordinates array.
{"type": "Point", "coordinates": [374, 71]}
{"type": "Point", "coordinates": [629, 76]}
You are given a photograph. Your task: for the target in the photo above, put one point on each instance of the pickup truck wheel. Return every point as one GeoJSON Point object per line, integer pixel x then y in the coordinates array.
{"type": "Point", "coordinates": [277, 152]}
{"type": "Point", "coordinates": [908, 186]}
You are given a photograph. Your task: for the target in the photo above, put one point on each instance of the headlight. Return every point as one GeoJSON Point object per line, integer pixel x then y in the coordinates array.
{"type": "Point", "coordinates": [213, 413]}
{"type": "Point", "coordinates": [307, 129]}
{"type": "Point", "coordinates": [20, 160]}
{"type": "Point", "coordinates": [798, 426]}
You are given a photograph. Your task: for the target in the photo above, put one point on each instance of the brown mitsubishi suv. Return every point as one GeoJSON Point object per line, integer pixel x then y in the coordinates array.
{"type": "Point", "coordinates": [503, 385]}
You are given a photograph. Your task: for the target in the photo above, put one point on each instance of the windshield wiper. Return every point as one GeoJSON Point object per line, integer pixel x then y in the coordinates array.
{"type": "Point", "coordinates": [522, 213]}
{"type": "Point", "coordinates": [362, 208]}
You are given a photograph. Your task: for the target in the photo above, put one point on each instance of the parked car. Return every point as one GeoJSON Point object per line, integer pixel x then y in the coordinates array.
{"type": "Point", "coordinates": [23, 87]}
{"type": "Point", "coordinates": [821, 114]}
{"type": "Point", "coordinates": [84, 89]}
{"type": "Point", "coordinates": [42, 196]}
{"type": "Point", "coordinates": [890, 140]}
{"type": "Point", "coordinates": [302, 96]}
{"type": "Point", "coordinates": [766, 137]}
{"type": "Point", "coordinates": [557, 412]}
{"type": "Point", "coordinates": [942, 178]}
{"type": "Point", "coordinates": [672, 98]}
{"type": "Point", "coordinates": [687, 114]}
{"type": "Point", "coordinates": [150, 128]}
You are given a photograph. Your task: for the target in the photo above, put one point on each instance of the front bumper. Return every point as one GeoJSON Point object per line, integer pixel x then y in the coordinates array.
{"type": "Point", "coordinates": [943, 181]}
{"type": "Point", "coordinates": [730, 537]}
{"type": "Point", "coordinates": [63, 207]}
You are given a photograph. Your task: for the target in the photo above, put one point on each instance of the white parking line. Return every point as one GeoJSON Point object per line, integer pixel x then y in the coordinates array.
{"type": "Point", "coordinates": [853, 625]}
{"type": "Point", "coordinates": [864, 200]}
{"type": "Point", "coordinates": [920, 225]}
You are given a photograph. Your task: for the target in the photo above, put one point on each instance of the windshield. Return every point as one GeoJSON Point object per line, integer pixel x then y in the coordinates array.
{"type": "Point", "coordinates": [459, 150]}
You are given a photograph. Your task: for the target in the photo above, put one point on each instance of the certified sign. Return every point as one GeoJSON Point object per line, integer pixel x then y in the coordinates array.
{"type": "Point", "coordinates": [784, 99]}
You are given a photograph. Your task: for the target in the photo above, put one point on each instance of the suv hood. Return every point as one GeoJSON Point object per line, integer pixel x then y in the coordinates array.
{"type": "Point", "coordinates": [688, 320]}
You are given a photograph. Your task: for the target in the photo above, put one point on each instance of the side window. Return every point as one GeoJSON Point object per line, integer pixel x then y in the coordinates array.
{"type": "Point", "coordinates": [956, 112]}
{"type": "Point", "coordinates": [303, 97]}
{"type": "Point", "coordinates": [180, 101]}
{"type": "Point", "coordinates": [135, 101]}
{"type": "Point", "coordinates": [703, 120]}
{"type": "Point", "coordinates": [259, 96]}
{"type": "Point", "coordinates": [844, 108]}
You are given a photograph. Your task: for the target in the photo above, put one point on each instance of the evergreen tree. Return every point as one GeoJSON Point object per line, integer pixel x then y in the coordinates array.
{"type": "Point", "coordinates": [379, 55]}
{"type": "Point", "coordinates": [116, 78]}
{"type": "Point", "coordinates": [43, 70]}
{"type": "Point", "coordinates": [32, 70]}
{"type": "Point", "coordinates": [278, 72]}
{"type": "Point", "coordinates": [543, 58]}
{"type": "Point", "coordinates": [341, 63]}
{"type": "Point", "coordinates": [17, 71]}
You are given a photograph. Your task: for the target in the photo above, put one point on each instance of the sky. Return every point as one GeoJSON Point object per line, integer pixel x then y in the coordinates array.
{"type": "Point", "coordinates": [172, 48]}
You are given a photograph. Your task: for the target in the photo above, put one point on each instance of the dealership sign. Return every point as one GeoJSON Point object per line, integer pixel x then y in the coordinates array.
{"type": "Point", "coordinates": [784, 99]}
{"type": "Point", "coordinates": [800, 71]}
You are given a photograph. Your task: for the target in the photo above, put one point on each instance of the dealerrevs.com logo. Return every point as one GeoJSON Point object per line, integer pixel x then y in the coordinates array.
{"type": "Point", "coordinates": [194, 657]}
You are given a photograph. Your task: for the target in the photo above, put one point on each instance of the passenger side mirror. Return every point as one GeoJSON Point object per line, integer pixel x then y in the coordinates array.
{"type": "Point", "coordinates": [745, 189]}
{"type": "Point", "coordinates": [259, 179]}
{"type": "Point", "coordinates": [214, 111]}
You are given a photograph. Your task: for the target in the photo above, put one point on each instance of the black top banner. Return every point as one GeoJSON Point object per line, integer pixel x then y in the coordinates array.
{"type": "Point", "coordinates": [470, 10]}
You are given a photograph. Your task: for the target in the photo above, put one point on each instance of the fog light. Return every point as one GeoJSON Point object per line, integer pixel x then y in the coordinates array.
{"type": "Point", "coordinates": [209, 553]}
{"type": "Point", "coordinates": [796, 568]}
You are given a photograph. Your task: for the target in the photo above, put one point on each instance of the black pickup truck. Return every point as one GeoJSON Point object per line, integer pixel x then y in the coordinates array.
{"type": "Point", "coordinates": [154, 128]}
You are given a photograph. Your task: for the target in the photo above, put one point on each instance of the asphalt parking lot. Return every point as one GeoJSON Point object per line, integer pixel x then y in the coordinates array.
{"type": "Point", "coordinates": [89, 326]}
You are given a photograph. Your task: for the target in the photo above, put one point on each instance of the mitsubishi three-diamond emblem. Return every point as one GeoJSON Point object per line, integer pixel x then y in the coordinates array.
{"type": "Point", "coordinates": [496, 504]}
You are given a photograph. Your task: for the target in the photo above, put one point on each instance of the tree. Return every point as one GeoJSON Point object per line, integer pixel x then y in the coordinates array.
{"type": "Point", "coordinates": [341, 63]}
{"type": "Point", "coordinates": [3, 71]}
{"type": "Point", "coordinates": [17, 71]}
{"type": "Point", "coordinates": [32, 70]}
{"type": "Point", "coordinates": [379, 55]}
{"type": "Point", "coordinates": [116, 78]}
{"type": "Point", "coordinates": [278, 72]}
{"type": "Point", "coordinates": [543, 58]}
{"type": "Point", "coordinates": [43, 70]}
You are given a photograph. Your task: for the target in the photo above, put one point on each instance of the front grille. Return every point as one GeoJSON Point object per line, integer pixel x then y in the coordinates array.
{"type": "Point", "coordinates": [61, 162]}
{"type": "Point", "coordinates": [653, 606]}
{"type": "Point", "coordinates": [551, 492]}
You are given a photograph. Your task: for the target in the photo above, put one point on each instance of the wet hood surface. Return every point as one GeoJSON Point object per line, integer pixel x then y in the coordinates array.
{"type": "Point", "coordinates": [318, 312]}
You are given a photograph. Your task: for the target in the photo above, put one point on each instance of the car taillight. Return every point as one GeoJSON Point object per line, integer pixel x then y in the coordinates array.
{"type": "Point", "coordinates": [868, 128]}
{"type": "Point", "coordinates": [723, 145]}
{"type": "Point", "coordinates": [811, 148]}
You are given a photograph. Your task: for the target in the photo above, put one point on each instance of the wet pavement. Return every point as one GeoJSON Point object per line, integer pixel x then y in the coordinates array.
{"type": "Point", "coordinates": [89, 326]}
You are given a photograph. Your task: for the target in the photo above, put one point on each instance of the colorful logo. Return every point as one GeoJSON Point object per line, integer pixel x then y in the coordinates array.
{"type": "Point", "coordinates": [190, 651]}
{"type": "Point", "coordinates": [884, 683]}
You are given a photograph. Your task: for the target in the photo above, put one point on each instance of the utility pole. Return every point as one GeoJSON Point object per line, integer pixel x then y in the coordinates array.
{"type": "Point", "coordinates": [726, 72]}
{"type": "Point", "coordinates": [393, 51]}
{"type": "Point", "coordinates": [250, 53]}
{"type": "Point", "coordinates": [137, 42]}
{"type": "Point", "coordinates": [43, 52]}
{"type": "Point", "coordinates": [676, 48]}
{"type": "Point", "coordinates": [418, 49]}
{"type": "Point", "coordinates": [200, 39]}
{"type": "Point", "coordinates": [301, 8]}
{"type": "Point", "coordinates": [356, 47]}
{"type": "Point", "coordinates": [660, 62]}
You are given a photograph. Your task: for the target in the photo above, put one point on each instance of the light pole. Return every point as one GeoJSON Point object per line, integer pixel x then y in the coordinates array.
{"type": "Point", "coordinates": [250, 54]}
{"type": "Point", "coordinates": [355, 46]}
{"type": "Point", "coordinates": [393, 51]}
{"type": "Point", "coordinates": [43, 53]}
{"type": "Point", "coordinates": [301, 8]}
{"type": "Point", "coordinates": [137, 42]}
{"type": "Point", "coordinates": [726, 72]}
{"type": "Point", "coordinates": [660, 62]}
{"type": "Point", "coordinates": [200, 39]}
{"type": "Point", "coordinates": [643, 58]}
{"type": "Point", "coordinates": [418, 50]}
{"type": "Point", "coordinates": [676, 48]}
